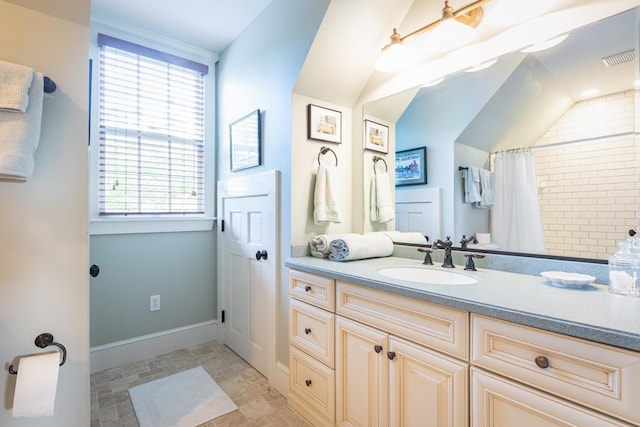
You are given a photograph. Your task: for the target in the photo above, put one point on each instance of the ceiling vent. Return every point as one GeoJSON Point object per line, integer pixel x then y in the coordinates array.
{"type": "Point", "coordinates": [619, 58]}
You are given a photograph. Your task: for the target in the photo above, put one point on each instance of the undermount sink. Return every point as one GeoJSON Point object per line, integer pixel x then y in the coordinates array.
{"type": "Point", "coordinates": [427, 276]}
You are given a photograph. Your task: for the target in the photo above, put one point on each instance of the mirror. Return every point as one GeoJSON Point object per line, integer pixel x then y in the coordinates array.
{"type": "Point", "coordinates": [585, 145]}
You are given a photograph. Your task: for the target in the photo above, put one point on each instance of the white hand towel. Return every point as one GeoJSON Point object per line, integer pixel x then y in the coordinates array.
{"type": "Point", "coordinates": [472, 184]}
{"type": "Point", "coordinates": [486, 189]}
{"type": "Point", "coordinates": [411, 237]}
{"type": "Point", "coordinates": [319, 245]}
{"type": "Point", "coordinates": [326, 196]}
{"type": "Point", "coordinates": [370, 245]}
{"type": "Point", "coordinates": [381, 199]}
{"type": "Point", "coordinates": [20, 135]}
{"type": "Point", "coordinates": [15, 81]}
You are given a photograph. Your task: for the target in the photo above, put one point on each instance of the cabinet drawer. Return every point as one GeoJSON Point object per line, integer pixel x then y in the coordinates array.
{"type": "Point", "coordinates": [316, 290]}
{"type": "Point", "coordinates": [312, 331]}
{"type": "Point", "coordinates": [598, 376]}
{"type": "Point", "coordinates": [498, 402]}
{"type": "Point", "coordinates": [441, 328]}
{"type": "Point", "coordinates": [312, 383]}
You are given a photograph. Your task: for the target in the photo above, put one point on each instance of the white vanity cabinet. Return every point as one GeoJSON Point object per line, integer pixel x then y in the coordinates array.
{"type": "Point", "coordinates": [382, 378]}
{"type": "Point", "coordinates": [567, 379]}
{"type": "Point", "coordinates": [311, 347]}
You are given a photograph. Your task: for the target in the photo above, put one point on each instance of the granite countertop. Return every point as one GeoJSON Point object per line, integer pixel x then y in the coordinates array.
{"type": "Point", "coordinates": [590, 312]}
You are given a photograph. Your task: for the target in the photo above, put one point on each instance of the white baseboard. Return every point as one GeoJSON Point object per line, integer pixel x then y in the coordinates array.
{"type": "Point", "coordinates": [148, 346]}
{"type": "Point", "coordinates": [280, 379]}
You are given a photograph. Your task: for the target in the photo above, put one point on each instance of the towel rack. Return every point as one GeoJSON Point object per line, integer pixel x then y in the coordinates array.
{"type": "Point", "coordinates": [376, 159]}
{"type": "Point", "coordinates": [49, 85]}
{"type": "Point", "coordinates": [324, 150]}
{"type": "Point", "coordinates": [461, 168]}
{"type": "Point", "coordinates": [42, 341]}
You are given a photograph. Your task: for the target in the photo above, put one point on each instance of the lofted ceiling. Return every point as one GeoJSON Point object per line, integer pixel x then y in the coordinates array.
{"type": "Point", "coordinates": [209, 24]}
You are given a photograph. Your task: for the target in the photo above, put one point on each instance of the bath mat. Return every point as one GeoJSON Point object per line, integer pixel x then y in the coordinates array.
{"type": "Point", "coordinates": [185, 399]}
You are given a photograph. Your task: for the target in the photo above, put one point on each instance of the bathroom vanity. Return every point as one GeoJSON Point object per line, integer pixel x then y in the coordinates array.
{"type": "Point", "coordinates": [506, 350]}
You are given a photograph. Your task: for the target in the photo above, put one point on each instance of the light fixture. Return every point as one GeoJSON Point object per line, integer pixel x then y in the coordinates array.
{"type": "Point", "coordinates": [454, 29]}
{"type": "Point", "coordinates": [588, 93]}
{"type": "Point", "coordinates": [545, 44]}
{"type": "Point", "coordinates": [433, 82]}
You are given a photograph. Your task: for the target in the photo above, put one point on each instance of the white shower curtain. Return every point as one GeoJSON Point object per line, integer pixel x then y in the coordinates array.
{"type": "Point", "coordinates": [516, 222]}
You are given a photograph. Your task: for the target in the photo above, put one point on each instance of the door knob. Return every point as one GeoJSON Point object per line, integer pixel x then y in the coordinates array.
{"type": "Point", "coordinates": [94, 270]}
{"type": "Point", "coordinates": [261, 255]}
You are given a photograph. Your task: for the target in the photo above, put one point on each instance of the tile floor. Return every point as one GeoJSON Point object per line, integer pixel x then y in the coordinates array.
{"type": "Point", "coordinates": [258, 404]}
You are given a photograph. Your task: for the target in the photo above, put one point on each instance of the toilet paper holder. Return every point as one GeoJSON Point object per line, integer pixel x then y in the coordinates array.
{"type": "Point", "coordinates": [44, 340]}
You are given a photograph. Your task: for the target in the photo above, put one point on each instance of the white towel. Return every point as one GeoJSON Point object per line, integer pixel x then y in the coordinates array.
{"type": "Point", "coordinates": [411, 237]}
{"type": "Point", "coordinates": [471, 177]}
{"type": "Point", "coordinates": [486, 189]}
{"type": "Point", "coordinates": [359, 246]}
{"type": "Point", "coordinates": [326, 196]}
{"type": "Point", "coordinates": [15, 81]}
{"type": "Point", "coordinates": [20, 135]}
{"type": "Point", "coordinates": [319, 245]}
{"type": "Point", "coordinates": [381, 201]}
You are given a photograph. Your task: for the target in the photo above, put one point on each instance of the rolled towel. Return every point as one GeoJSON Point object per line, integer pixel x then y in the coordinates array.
{"type": "Point", "coordinates": [319, 245]}
{"type": "Point", "coordinates": [370, 245]}
{"type": "Point", "coordinates": [15, 81]}
{"type": "Point", "coordinates": [406, 237]}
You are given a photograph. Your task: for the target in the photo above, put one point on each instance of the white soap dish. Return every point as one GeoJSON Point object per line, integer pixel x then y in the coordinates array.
{"type": "Point", "coordinates": [567, 280]}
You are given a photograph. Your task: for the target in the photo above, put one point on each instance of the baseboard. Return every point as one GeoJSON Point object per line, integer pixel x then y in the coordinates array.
{"type": "Point", "coordinates": [148, 346]}
{"type": "Point", "coordinates": [279, 378]}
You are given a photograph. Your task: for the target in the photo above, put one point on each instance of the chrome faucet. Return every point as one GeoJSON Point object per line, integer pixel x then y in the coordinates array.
{"type": "Point", "coordinates": [446, 245]}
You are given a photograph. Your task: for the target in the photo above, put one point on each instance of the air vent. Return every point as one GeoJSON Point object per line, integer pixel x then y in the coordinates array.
{"type": "Point", "coordinates": [619, 58]}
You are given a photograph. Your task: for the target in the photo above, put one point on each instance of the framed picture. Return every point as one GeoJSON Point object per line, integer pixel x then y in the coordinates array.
{"type": "Point", "coordinates": [246, 142]}
{"type": "Point", "coordinates": [324, 124]}
{"type": "Point", "coordinates": [411, 167]}
{"type": "Point", "coordinates": [376, 136]}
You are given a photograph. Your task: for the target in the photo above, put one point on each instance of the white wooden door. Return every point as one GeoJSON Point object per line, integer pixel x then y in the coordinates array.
{"type": "Point", "coordinates": [361, 375]}
{"type": "Point", "coordinates": [247, 280]}
{"type": "Point", "coordinates": [425, 388]}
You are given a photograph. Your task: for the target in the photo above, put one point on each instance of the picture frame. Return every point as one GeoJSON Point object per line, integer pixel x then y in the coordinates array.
{"type": "Point", "coordinates": [411, 167]}
{"type": "Point", "coordinates": [246, 141]}
{"type": "Point", "coordinates": [376, 136]}
{"type": "Point", "coordinates": [324, 124]}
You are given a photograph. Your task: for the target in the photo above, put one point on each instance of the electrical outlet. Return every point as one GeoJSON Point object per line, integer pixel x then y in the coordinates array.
{"type": "Point", "coordinates": [154, 303]}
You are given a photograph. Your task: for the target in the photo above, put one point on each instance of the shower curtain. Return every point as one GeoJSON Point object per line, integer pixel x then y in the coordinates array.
{"type": "Point", "coordinates": [516, 221]}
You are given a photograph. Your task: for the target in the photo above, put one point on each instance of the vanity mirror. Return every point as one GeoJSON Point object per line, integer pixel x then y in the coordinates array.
{"type": "Point", "coordinates": [585, 145]}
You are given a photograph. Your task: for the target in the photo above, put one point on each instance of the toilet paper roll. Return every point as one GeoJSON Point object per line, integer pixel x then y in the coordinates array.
{"type": "Point", "coordinates": [36, 385]}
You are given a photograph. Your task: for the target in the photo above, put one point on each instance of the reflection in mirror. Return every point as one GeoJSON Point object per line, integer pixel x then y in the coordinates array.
{"type": "Point", "coordinates": [584, 146]}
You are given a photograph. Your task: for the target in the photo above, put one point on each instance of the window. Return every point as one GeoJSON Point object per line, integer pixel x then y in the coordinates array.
{"type": "Point", "coordinates": [151, 131]}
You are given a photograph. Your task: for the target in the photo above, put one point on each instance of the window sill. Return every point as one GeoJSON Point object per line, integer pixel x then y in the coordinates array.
{"type": "Point", "coordinates": [103, 226]}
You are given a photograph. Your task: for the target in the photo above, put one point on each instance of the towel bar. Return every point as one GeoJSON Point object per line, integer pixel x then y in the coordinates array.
{"type": "Point", "coordinates": [42, 341]}
{"type": "Point", "coordinates": [49, 85]}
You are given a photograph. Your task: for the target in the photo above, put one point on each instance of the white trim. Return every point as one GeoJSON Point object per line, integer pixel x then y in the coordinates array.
{"type": "Point", "coordinates": [148, 346]}
{"type": "Point", "coordinates": [148, 225]}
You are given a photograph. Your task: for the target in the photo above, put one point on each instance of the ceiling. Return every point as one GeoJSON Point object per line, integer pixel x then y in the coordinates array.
{"type": "Point", "coordinates": [209, 24]}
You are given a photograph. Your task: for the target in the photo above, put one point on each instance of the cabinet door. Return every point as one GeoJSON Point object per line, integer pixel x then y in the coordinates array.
{"type": "Point", "coordinates": [425, 388]}
{"type": "Point", "coordinates": [498, 402]}
{"type": "Point", "coordinates": [361, 375]}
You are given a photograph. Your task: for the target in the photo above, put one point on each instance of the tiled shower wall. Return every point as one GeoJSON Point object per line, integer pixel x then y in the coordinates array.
{"type": "Point", "coordinates": [588, 177]}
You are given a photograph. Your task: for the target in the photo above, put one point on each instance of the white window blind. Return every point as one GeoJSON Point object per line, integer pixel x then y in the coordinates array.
{"type": "Point", "coordinates": [151, 131]}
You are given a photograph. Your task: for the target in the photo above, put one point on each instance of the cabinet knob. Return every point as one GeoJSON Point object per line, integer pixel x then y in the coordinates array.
{"type": "Point", "coordinates": [307, 331]}
{"type": "Point", "coordinates": [391, 355]}
{"type": "Point", "coordinates": [308, 383]}
{"type": "Point", "coordinates": [542, 362]}
{"type": "Point", "coordinates": [377, 348]}
{"type": "Point", "coordinates": [307, 288]}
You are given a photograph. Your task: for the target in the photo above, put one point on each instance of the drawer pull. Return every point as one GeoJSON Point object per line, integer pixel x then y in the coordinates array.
{"type": "Point", "coordinates": [307, 331]}
{"type": "Point", "coordinates": [308, 383]}
{"type": "Point", "coordinates": [542, 362]}
{"type": "Point", "coordinates": [307, 288]}
{"type": "Point", "coordinates": [391, 355]}
{"type": "Point", "coordinates": [377, 348]}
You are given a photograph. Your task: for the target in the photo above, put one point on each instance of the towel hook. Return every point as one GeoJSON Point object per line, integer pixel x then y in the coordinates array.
{"type": "Point", "coordinates": [324, 150]}
{"type": "Point", "coordinates": [375, 162]}
{"type": "Point", "coordinates": [44, 340]}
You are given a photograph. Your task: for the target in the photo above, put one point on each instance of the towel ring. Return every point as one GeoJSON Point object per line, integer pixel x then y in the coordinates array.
{"type": "Point", "coordinates": [324, 150]}
{"type": "Point", "coordinates": [375, 162]}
